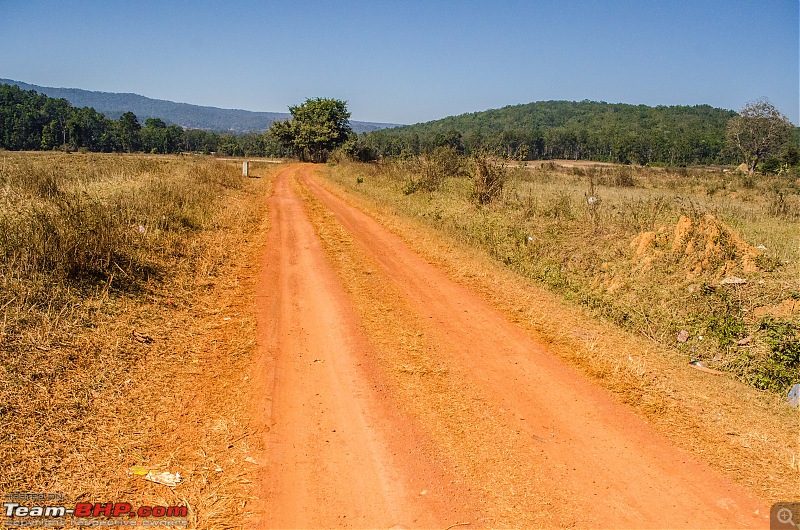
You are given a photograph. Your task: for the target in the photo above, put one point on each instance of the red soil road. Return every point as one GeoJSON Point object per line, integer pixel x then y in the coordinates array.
{"type": "Point", "coordinates": [340, 451]}
{"type": "Point", "coordinates": [336, 452]}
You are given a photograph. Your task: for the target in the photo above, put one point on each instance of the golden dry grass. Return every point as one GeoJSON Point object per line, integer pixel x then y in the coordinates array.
{"type": "Point", "coordinates": [135, 356]}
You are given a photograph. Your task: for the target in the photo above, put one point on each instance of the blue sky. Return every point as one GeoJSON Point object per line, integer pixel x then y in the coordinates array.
{"type": "Point", "coordinates": [411, 61]}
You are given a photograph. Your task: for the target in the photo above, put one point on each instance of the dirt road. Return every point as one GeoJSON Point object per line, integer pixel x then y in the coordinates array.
{"type": "Point", "coordinates": [393, 397]}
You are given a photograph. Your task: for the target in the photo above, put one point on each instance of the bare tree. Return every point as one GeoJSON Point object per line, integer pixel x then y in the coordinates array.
{"type": "Point", "coordinates": [758, 132]}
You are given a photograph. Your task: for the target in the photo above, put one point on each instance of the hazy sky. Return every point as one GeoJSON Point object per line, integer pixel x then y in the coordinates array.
{"type": "Point", "coordinates": [409, 61]}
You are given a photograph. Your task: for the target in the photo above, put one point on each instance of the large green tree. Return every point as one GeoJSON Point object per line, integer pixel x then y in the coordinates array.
{"type": "Point", "coordinates": [129, 128]}
{"type": "Point", "coordinates": [316, 128]}
{"type": "Point", "coordinates": [758, 132]}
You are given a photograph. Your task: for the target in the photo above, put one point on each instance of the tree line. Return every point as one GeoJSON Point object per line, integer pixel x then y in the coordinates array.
{"type": "Point", "coordinates": [585, 130]}
{"type": "Point", "coordinates": [760, 136]}
{"type": "Point", "coordinates": [33, 121]}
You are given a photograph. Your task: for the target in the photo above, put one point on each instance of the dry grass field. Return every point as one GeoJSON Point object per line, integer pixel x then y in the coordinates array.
{"type": "Point", "coordinates": [126, 329]}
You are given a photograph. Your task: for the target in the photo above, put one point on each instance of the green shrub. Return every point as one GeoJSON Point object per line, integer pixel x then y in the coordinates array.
{"type": "Point", "coordinates": [778, 368]}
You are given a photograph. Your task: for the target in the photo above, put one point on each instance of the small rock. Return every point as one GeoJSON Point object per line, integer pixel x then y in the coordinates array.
{"type": "Point", "coordinates": [251, 460]}
{"type": "Point", "coordinates": [683, 336]}
{"type": "Point", "coordinates": [794, 396]}
{"type": "Point", "coordinates": [745, 341]}
{"type": "Point", "coordinates": [733, 280]}
{"type": "Point", "coordinates": [761, 247]}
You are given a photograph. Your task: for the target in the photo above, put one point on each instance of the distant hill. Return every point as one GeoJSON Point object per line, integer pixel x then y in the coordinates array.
{"type": "Point", "coordinates": [590, 130]}
{"type": "Point", "coordinates": [113, 105]}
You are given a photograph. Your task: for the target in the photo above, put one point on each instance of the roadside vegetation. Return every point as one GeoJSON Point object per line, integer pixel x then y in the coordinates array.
{"type": "Point", "coordinates": [317, 127]}
{"type": "Point", "coordinates": [119, 333]}
{"type": "Point", "coordinates": [702, 260]}
{"type": "Point", "coordinates": [121, 341]}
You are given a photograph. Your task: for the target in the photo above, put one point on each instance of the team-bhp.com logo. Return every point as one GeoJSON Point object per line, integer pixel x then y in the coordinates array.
{"type": "Point", "coordinates": [50, 510]}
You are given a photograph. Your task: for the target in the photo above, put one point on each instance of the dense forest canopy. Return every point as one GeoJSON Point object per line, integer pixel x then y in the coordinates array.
{"type": "Point", "coordinates": [33, 121]}
{"type": "Point", "coordinates": [676, 135]}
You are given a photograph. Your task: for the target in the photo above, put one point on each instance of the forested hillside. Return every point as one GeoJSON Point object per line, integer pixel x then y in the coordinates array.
{"type": "Point", "coordinates": [677, 135]}
{"type": "Point", "coordinates": [33, 121]}
{"type": "Point", "coordinates": [113, 105]}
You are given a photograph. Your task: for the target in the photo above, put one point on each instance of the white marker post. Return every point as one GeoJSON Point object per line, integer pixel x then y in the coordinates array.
{"type": "Point", "coordinates": [245, 169]}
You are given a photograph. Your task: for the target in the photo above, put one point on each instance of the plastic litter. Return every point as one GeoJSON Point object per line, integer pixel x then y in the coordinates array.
{"type": "Point", "coordinates": [164, 477]}
{"type": "Point", "coordinates": [159, 477]}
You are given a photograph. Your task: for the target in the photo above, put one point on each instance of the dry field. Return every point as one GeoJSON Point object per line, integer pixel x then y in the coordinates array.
{"type": "Point", "coordinates": [126, 328]}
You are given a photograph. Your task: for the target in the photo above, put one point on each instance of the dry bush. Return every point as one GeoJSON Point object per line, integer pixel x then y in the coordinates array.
{"type": "Point", "coordinates": [488, 178]}
{"type": "Point", "coordinates": [429, 172]}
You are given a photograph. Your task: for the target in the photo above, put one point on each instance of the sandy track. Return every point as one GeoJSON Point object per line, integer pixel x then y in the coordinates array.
{"type": "Point", "coordinates": [345, 450]}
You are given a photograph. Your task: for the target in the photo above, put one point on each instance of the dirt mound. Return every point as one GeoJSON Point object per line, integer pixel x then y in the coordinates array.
{"type": "Point", "coordinates": [707, 246]}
